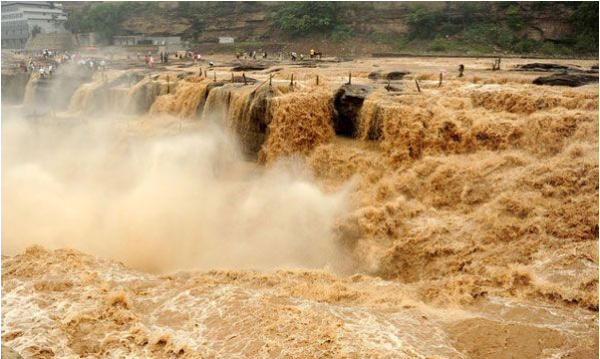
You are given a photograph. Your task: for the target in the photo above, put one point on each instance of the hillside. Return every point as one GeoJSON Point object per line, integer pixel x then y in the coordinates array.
{"type": "Point", "coordinates": [550, 28]}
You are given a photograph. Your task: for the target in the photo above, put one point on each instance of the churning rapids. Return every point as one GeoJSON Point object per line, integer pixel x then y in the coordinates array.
{"type": "Point", "coordinates": [169, 215]}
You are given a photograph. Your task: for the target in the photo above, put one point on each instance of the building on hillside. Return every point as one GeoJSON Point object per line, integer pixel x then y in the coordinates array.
{"type": "Point", "coordinates": [226, 40]}
{"type": "Point", "coordinates": [22, 19]}
{"type": "Point", "coordinates": [163, 43]}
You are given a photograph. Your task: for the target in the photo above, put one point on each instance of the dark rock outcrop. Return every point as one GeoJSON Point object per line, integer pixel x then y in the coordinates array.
{"type": "Point", "coordinates": [251, 128]}
{"type": "Point", "coordinates": [249, 67]}
{"type": "Point", "coordinates": [537, 66]}
{"type": "Point", "coordinates": [570, 80]}
{"type": "Point", "coordinates": [348, 101]}
{"type": "Point", "coordinates": [392, 75]}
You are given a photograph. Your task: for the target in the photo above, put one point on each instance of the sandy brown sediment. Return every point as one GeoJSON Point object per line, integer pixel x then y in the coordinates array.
{"type": "Point", "coordinates": [88, 306]}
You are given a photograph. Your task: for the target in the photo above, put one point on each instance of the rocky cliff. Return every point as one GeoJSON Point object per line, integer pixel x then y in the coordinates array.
{"type": "Point", "coordinates": [205, 22]}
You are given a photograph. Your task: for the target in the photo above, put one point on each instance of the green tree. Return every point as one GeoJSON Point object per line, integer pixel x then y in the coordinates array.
{"type": "Point", "coordinates": [422, 22]}
{"type": "Point", "coordinates": [75, 21]}
{"type": "Point", "coordinates": [341, 33]}
{"type": "Point", "coordinates": [35, 31]}
{"type": "Point", "coordinates": [467, 12]}
{"type": "Point", "coordinates": [513, 17]}
{"type": "Point", "coordinates": [105, 19]}
{"type": "Point", "coordinates": [303, 17]}
{"type": "Point", "coordinates": [585, 25]}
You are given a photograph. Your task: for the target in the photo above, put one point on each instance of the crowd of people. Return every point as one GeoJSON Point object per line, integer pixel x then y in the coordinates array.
{"type": "Point", "coordinates": [164, 57]}
{"type": "Point", "coordinates": [294, 56]}
{"type": "Point", "coordinates": [46, 62]}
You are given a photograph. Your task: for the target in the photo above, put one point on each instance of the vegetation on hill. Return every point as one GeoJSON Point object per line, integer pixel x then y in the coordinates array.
{"type": "Point", "coordinates": [106, 18]}
{"type": "Point", "coordinates": [468, 28]}
{"type": "Point", "coordinates": [305, 17]}
{"type": "Point", "coordinates": [458, 27]}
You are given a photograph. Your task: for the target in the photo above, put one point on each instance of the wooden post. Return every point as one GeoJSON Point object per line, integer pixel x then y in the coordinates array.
{"type": "Point", "coordinates": [215, 76]}
{"type": "Point", "coordinates": [499, 59]}
{"type": "Point", "coordinates": [441, 76]}
{"type": "Point", "coordinates": [270, 79]}
{"type": "Point", "coordinates": [244, 77]}
{"type": "Point", "coordinates": [389, 86]}
{"type": "Point", "coordinates": [292, 80]}
{"type": "Point", "coordinates": [232, 78]}
{"type": "Point", "coordinates": [200, 73]}
{"type": "Point", "coordinates": [317, 80]}
{"type": "Point", "coordinates": [350, 78]}
{"type": "Point", "coordinates": [168, 85]}
{"type": "Point", "coordinates": [418, 87]}
{"type": "Point", "coordinates": [205, 73]}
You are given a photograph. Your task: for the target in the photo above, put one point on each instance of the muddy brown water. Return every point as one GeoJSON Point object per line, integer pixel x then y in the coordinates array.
{"type": "Point", "coordinates": [136, 225]}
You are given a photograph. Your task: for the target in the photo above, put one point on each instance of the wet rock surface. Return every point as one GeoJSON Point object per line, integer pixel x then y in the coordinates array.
{"type": "Point", "coordinates": [391, 75]}
{"type": "Point", "coordinates": [537, 66]}
{"type": "Point", "coordinates": [249, 67]}
{"type": "Point", "coordinates": [545, 67]}
{"type": "Point", "coordinates": [570, 80]}
{"type": "Point", "coordinates": [348, 101]}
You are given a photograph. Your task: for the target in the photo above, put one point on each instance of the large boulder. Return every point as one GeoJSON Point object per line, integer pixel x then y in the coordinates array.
{"type": "Point", "coordinates": [348, 101]}
{"type": "Point", "coordinates": [570, 80]}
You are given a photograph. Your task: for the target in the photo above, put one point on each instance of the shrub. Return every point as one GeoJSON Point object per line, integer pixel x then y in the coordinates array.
{"type": "Point", "coordinates": [341, 33]}
{"type": "Point", "coordinates": [513, 18]}
{"type": "Point", "coordinates": [423, 22]}
{"type": "Point", "coordinates": [303, 17]}
{"type": "Point", "coordinates": [490, 34]}
{"type": "Point", "coordinates": [439, 44]}
{"type": "Point", "coordinates": [585, 23]}
{"type": "Point", "coordinates": [524, 46]}
{"type": "Point", "coordinates": [35, 31]}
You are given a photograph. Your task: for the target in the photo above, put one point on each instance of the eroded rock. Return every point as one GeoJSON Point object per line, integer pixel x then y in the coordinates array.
{"type": "Point", "coordinates": [391, 75]}
{"type": "Point", "coordinates": [348, 101]}
{"type": "Point", "coordinates": [570, 80]}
